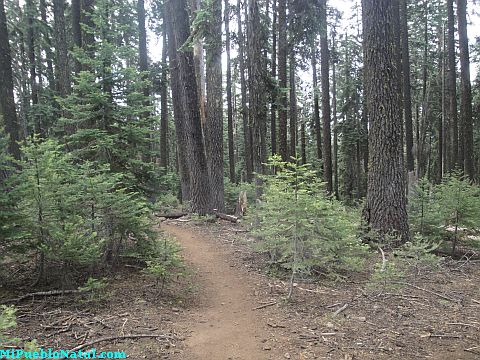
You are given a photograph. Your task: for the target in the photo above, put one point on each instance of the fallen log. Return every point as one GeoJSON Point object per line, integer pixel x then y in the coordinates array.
{"type": "Point", "coordinates": [227, 217]}
{"type": "Point", "coordinates": [171, 215]}
{"type": "Point", "coordinates": [46, 293]}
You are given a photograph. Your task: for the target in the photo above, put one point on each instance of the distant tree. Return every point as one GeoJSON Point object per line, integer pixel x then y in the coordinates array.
{"type": "Point", "coordinates": [7, 100]}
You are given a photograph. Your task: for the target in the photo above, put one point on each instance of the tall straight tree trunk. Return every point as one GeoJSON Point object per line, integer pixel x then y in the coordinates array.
{"type": "Point", "coordinates": [334, 115]}
{"type": "Point", "coordinates": [142, 46]}
{"type": "Point", "coordinates": [451, 91]}
{"type": "Point", "coordinates": [7, 100]}
{"type": "Point", "coordinates": [316, 106]}
{"type": "Point", "coordinates": [164, 153]}
{"type": "Point", "coordinates": [407, 96]}
{"type": "Point", "coordinates": [385, 206]}
{"type": "Point", "coordinates": [199, 65]}
{"type": "Point", "coordinates": [178, 111]}
{"type": "Point", "coordinates": [200, 194]}
{"type": "Point", "coordinates": [48, 45]}
{"type": "Point", "coordinates": [257, 99]}
{"type": "Point", "coordinates": [273, 115]}
{"type": "Point", "coordinates": [88, 38]}
{"type": "Point", "coordinates": [77, 30]}
{"type": "Point", "coordinates": [440, 134]}
{"type": "Point", "coordinates": [61, 43]}
{"type": "Point", "coordinates": [231, 145]}
{"type": "Point", "coordinates": [30, 10]}
{"type": "Point", "coordinates": [243, 84]}
{"type": "Point", "coordinates": [293, 107]}
{"type": "Point", "coordinates": [303, 139]}
{"type": "Point", "coordinates": [282, 77]}
{"type": "Point", "coordinates": [465, 91]}
{"type": "Point", "coordinates": [327, 139]}
{"type": "Point", "coordinates": [214, 122]}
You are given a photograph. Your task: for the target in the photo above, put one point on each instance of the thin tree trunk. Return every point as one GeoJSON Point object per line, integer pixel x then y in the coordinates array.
{"type": "Point", "coordinates": [327, 140]}
{"type": "Point", "coordinates": [7, 100]}
{"type": "Point", "coordinates": [273, 115]}
{"type": "Point", "coordinates": [48, 45]}
{"type": "Point", "coordinates": [407, 96]}
{"type": "Point", "coordinates": [231, 145]}
{"type": "Point", "coordinates": [61, 43]}
{"type": "Point", "coordinates": [39, 128]}
{"type": "Point", "coordinates": [303, 139]}
{"type": "Point", "coordinates": [385, 206]}
{"type": "Point", "coordinates": [214, 123]}
{"type": "Point", "coordinates": [466, 92]}
{"type": "Point", "coordinates": [164, 153]}
{"type": "Point", "coordinates": [440, 134]}
{"type": "Point", "coordinates": [142, 47]}
{"type": "Point", "coordinates": [77, 30]}
{"type": "Point", "coordinates": [282, 77]}
{"type": "Point", "coordinates": [293, 106]}
{"type": "Point", "coordinates": [316, 106]}
{"type": "Point", "coordinates": [243, 85]}
{"type": "Point", "coordinates": [452, 86]}
{"type": "Point", "coordinates": [334, 115]}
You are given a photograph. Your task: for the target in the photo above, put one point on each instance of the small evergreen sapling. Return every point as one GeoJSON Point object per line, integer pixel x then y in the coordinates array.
{"type": "Point", "coordinates": [303, 229]}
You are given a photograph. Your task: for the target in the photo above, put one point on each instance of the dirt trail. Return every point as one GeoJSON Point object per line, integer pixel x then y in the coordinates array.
{"type": "Point", "coordinates": [224, 326]}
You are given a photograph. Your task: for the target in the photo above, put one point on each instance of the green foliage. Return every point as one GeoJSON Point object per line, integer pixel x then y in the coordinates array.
{"type": "Point", "coordinates": [165, 262]}
{"type": "Point", "coordinates": [70, 212]}
{"type": "Point", "coordinates": [7, 319]}
{"type": "Point", "coordinates": [418, 253]}
{"type": "Point", "coordinates": [447, 210]}
{"type": "Point", "coordinates": [301, 228]}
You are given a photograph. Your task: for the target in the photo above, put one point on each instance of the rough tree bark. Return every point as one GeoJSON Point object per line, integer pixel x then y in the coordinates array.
{"type": "Point", "coordinates": [214, 121]}
{"type": "Point", "coordinates": [164, 155]}
{"type": "Point", "coordinates": [385, 206]}
{"type": "Point", "coordinates": [273, 115]}
{"type": "Point", "coordinates": [257, 100]}
{"type": "Point", "coordinates": [231, 145]}
{"type": "Point", "coordinates": [7, 100]}
{"type": "Point", "coordinates": [77, 30]}
{"type": "Point", "coordinates": [61, 44]}
{"type": "Point", "coordinates": [200, 194]}
{"type": "Point", "coordinates": [465, 91]}
{"type": "Point", "coordinates": [451, 88]}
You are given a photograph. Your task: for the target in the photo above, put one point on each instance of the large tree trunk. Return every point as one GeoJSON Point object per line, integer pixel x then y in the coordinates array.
{"type": "Point", "coordinates": [327, 137]}
{"type": "Point", "coordinates": [282, 77]}
{"type": "Point", "coordinates": [407, 96]}
{"type": "Point", "coordinates": [7, 100]}
{"type": "Point", "coordinates": [231, 145]}
{"type": "Point", "coordinates": [200, 194]}
{"type": "Point", "coordinates": [243, 84]}
{"type": "Point", "coordinates": [88, 37]}
{"type": "Point", "coordinates": [385, 206]}
{"type": "Point", "coordinates": [178, 114]}
{"type": "Point", "coordinates": [257, 99]}
{"type": "Point", "coordinates": [61, 44]}
{"type": "Point", "coordinates": [451, 88]}
{"type": "Point", "coordinates": [334, 115]}
{"type": "Point", "coordinates": [214, 123]}
{"type": "Point", "coordinates": [164, 103]}
{"type": "Point", "coordinates": [465, 91]}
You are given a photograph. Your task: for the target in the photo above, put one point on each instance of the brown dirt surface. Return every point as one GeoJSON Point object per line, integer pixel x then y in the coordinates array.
{"type": "Point", "coordinates": [215, 312]}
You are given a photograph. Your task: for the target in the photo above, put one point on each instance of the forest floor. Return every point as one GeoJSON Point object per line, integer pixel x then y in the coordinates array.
{"type": "Point", "coordinates": [229, 308]}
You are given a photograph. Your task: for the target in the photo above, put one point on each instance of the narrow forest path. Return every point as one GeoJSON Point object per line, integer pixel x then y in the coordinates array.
{"type": "Point", "coordinates": [224, 326]}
